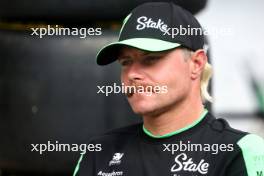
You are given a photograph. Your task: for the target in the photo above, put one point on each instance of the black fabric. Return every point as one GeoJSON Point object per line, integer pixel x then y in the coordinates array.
{"type": "Point", "coordinates": [145, 156]}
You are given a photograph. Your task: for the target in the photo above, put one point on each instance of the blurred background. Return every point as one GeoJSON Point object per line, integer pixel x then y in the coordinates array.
{"type": "Point", "coordinates": [48, 86]}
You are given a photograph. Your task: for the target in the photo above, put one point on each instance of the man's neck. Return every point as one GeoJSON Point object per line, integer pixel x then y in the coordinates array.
{"type": "Point", "coordinates": [174, 119]}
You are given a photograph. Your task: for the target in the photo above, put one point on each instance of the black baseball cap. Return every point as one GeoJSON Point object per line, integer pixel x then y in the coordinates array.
{"type": "Point", "coordinates": [150, 27]}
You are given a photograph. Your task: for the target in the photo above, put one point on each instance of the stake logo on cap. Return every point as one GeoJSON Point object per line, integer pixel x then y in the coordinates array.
{"type": "Point", "coordinates": [146, 28]}
{"type": "Point", "coordinates": [145, 22]}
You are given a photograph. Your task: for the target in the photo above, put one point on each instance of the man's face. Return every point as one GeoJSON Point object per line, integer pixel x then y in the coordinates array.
{"type": "Point", "coordinates": [169, 69]}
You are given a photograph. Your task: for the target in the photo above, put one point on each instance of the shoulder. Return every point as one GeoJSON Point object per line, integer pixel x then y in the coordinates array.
{"type": "Point", "coordinates": [249, 148]}
{"type": "Point", "coordinates": [250, 160]}
{"type": "Point", "coordinates": [220, 128]}
{"type": "Point", "coordinates": [252, 147]}
{"type": "Point", "coordinates": [251, 142]}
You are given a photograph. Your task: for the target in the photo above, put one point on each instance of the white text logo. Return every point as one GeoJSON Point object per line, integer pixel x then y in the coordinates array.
{"type": "Point", "coordinates": [110, 173]}
{"type": "Point", "coordinates": [183, 163]}
{"type": "Point", "coordinates": [145, 22]}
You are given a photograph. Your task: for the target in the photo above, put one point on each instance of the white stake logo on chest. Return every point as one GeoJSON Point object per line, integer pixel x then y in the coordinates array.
{"type": "Point", "coordinates": [182, 163]}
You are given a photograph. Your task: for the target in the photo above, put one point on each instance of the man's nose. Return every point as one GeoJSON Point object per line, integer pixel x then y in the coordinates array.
{"type": "Point", "coordinates": [135, 72]}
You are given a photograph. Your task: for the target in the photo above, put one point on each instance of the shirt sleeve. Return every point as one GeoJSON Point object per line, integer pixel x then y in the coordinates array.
{"type": "Point", "coordinates": [251, 160]}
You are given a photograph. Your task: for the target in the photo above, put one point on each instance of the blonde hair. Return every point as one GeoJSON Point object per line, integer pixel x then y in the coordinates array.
{"type": "Point", "coordinates": [205, 78]}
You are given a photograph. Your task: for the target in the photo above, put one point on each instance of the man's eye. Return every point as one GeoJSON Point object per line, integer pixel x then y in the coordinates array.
{"type": "Point", "coordinates": [125, 62]}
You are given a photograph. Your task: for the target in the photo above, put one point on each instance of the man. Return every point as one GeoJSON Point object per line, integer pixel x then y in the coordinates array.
{"type": "Point", "coordinates": [178, 137]}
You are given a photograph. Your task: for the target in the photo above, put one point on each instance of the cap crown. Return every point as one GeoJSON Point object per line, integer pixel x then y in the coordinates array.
{"type": "Point", "coordinates": [158, 21]}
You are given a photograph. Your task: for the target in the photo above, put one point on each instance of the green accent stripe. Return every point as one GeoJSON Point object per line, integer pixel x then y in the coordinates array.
{"type": "Point", "coordinates": [78, 165]}
{"type": "Point", "coordinates": [178, 131]}
{"type": "Point", "coordinates": [124, 22]}
{"type": "Point", "coordinates": [252, 147]}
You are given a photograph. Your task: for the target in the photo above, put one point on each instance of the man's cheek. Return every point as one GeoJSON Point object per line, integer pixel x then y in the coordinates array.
{"type": "Point", "coordinates": [123, 74]}
{"type": "Point", "coordinates": [123, 80]}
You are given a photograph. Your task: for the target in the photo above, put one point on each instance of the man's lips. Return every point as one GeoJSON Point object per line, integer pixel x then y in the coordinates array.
{"type": "Point", "coordinates": [138, 88]}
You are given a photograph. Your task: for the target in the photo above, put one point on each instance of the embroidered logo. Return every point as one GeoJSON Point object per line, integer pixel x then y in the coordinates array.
{"type": "Point", "coordinates": [116, 160]}
{"type": "Point", "coordinates": [145, 22]}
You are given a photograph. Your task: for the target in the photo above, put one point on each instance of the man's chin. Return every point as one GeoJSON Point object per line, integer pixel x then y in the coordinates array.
{"type": "Point", "coordinates": [143, 110]}
{"type": "Point", "coordinates": [139, 107]}
{"type": "Point", "coordinates": [151, 110]}
{"type": "Point", "coordinates": [148, 113]}
{"type": "Point", "coordinates": [142, 104]}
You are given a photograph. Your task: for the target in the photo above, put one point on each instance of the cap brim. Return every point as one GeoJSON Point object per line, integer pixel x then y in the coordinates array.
{"type": "Point", "coordinates": [110, 52]}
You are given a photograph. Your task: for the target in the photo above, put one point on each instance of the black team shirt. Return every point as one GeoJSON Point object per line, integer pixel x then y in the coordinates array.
{"type": "Point", "coordinates": [209, 146]}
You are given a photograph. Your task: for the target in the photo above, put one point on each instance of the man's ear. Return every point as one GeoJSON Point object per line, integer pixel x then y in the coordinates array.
{"type": "Point", "coordinates": [198, 61]}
